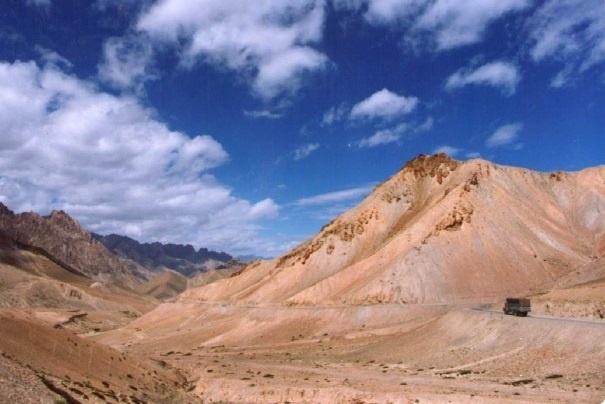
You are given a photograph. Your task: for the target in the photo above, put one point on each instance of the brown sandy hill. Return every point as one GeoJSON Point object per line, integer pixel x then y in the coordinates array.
{"type": "Point", "coordinates": [439, 231]}
{"type": "Point", "coordinates": [64, 240]}
{"type": "Point", "coordinates": [81, 370]}
{"type": "Point", "coordinates": [213, 275]}
{"type": "Point", "coordinates": [31, 279]}
{"type": "Point", "coordinates": [166, 285]}
{"type": "Point", "coordinates": [585, 298]}
{"type": "Point", "coordinates": [381, 306]}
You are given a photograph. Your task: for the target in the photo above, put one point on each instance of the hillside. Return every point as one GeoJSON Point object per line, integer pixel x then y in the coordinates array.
{"type": "Point", "coordinates": [439, 231]}
{"type": "Point", "coordinates": [61, 237]}
{"type": "Point", "coordinates": [166, 285]}
{"type": "Point", "coordinates": [399, 299]}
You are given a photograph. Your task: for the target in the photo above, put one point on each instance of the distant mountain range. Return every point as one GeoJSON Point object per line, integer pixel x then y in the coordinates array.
{"type": "Point", "coordinates": [111, 259]}
{"type": "Point", "coordinates": [61, 237]}
{"type": "Point", "coordinates": [178, 257]}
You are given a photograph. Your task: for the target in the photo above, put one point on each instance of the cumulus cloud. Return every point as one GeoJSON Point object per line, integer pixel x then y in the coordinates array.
{"type": "Point", "coordinates": [384, 136]}
{"type": "Point", "coordinates": [305, 150]}
{"type": "Point", "coordinates": [499, 74]}
{"type": "Point", "coordinates": [455, 23]}
{"type": "Point", "coordinates": [436, 24]}
{"type": "Point", "coordinates": [384, 12]}
{"type": "Point", "coordinates": [106, 160]}
{"type": "Point", "coordinates": [384, 105]}
{"type": "Point", "coordinates": [504, 135]}
{"type": "Point", "coordinates": [268, 42]}
{"type": "Point", "coordinates": [127, 62]}
{"type": "Point", "coordinates": [569, 32]}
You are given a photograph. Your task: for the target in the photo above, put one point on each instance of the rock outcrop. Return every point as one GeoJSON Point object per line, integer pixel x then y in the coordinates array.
{"type": "Point", "coordinates": [62, 238]}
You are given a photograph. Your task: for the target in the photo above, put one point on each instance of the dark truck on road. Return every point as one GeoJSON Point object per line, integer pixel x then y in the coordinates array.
{"type": "Point", "coordinates": [518, 307]}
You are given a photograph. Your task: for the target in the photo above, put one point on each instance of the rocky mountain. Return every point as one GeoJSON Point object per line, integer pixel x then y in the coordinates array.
{"type": "Point", "coordinates": [68, 244]}
{"type": "Point", "coordinates": [181, 258]}
{"type": "Point", "coordinates": [439, 231]}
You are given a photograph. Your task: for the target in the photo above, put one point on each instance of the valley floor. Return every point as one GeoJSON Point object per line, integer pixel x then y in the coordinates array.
{"type": "Point", "coordinates": [371, 354]}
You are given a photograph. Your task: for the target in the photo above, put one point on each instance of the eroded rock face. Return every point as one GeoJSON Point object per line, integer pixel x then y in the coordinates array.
{"type": "Point", "coordinates": [438, 165]}
{"type": "Point", "coordinates": [65, 240]}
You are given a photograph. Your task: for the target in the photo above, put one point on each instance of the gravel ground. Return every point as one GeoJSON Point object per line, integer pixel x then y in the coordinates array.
{"type": "Point", "coordinates": [19, 384]}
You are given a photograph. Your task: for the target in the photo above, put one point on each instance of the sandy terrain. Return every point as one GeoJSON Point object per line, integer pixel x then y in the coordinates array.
{"type": "Point", "coordinates": [398, 300]}
{"type": "Point", "coordinates": [388, 353]}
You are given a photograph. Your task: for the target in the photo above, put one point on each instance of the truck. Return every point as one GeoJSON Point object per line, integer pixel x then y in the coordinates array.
{"type": "Point", "coordinates": [517, 306]}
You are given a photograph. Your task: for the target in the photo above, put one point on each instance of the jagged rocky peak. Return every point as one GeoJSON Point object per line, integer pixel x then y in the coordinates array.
{"type": "Point", "coordinates": [63, 238]}
{"type": "Point", "coordinates": [65, 222]}
{"type": "Point", "coordinates": [182, 258]}
{"type": "Point", "coordinates": [5, 211]}
{"type": "Point", "coordinates": [437, 165]}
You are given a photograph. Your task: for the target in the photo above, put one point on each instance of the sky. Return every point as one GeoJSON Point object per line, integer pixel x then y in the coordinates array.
{"type": "Point", "coordinates": [245, 126]}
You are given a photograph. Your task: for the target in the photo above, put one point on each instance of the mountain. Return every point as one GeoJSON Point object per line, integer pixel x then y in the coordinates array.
{"type": "Point", "coordinates": [399, 299]}
{"type": "Point", "coordinates": [166, 285]}
{"type": "Point", "coordinates": [62, 238]}
{"type": "Point", "coordinates": [180, 258]}
{"type": "Point", "coordinates": [440, 231]}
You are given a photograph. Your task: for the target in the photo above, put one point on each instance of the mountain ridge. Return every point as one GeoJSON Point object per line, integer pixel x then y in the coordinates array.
{"type": "Point", "coordinates": [61, 237]}
{"type": "Point", "coordinates": [438, 230]}
{"type": "Point", "coordinates": [182, 258]}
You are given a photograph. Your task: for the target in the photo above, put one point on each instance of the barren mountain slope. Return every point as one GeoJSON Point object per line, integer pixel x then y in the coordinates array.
{"type": "Point", "coordinates": [30, 279]}
{"type": "Point", "coordinates": [166, 285]}
{"type": "Point", "coordinates": [327, 322]}
{"type": "Point", "coordinates": [63, 239]}
{"type": "Point", "coordinates": [439, 231]}
{"type": "Point", "coordinates": [81, 370]}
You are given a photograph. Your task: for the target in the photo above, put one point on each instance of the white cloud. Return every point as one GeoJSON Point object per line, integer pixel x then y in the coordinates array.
{"type": "Point", "coordinates": [383, 104]}
{"type": "Point", "coordinates": [334, 115]}
{"type": "Point", "coordinates": [305, 150]}
{"type": "Point", "coordinates": [52, 58]}
{"type": "Point", "coordinates": [268, 42]}
{"type": "Point", "coordinates": [263, 113]}
{"type": "Point", "coordinates": [335, 197]}
{"type": "Point", "coordinates": [504, 135]}
{"type": "Point", "coordinates": [562, 79]}
{"type": "Point", "coordinates": [384, 136]}
{"type": "Point", "coordinates": [436, 24]}
{"type": "Point", "coordinates": [449, 150]}
{"type": "Point", "coordinates": [499, 74]}
{"type": "Point", "coordinates": [384, 12]}
{"type": "Point", "coordinates": [425, 126]}
{"type": "Point", "coordinates": [454, 23]}
{"type": "Point", "coordinates": [570, 32]}
{"type": "Point", "coordinates": [109, 162]}
{"type": "Point", "coordinates": [127, 62]}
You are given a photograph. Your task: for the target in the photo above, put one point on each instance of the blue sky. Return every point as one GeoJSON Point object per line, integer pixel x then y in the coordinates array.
{"type": "Point", "coordinates": [244, 126]}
